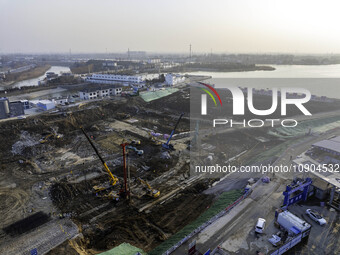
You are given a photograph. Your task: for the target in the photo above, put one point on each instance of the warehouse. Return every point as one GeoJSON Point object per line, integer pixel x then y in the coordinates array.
{"type": "Point", "coordinates": [332, 146]}
{"type": "Point", "coordinates": [44, 105]}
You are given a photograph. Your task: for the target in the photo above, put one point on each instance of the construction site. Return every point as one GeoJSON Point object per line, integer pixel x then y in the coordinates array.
{"type": "Point", "coordinates": [169, 128]}
{"type": "Point", "coordinates": [91, 177]}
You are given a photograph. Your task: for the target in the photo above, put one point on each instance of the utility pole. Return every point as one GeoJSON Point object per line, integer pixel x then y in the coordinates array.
{"type": "Point", "coordinates": [126, 192]}
{"type": "Point", "coordinates": [129, 176]}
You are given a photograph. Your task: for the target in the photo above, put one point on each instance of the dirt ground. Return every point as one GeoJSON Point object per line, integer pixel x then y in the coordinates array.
{"type": "Point", "coordinates": [56, 177]}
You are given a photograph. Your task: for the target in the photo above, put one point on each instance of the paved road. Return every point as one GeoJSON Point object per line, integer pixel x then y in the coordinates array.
{"type": "Point", "coordinates": [232, 231]}
{"type": "Point", "coordinates": [322, 239]}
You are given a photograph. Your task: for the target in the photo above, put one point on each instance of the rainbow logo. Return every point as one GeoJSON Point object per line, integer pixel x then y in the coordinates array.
{"type": "Point", "coordinates": [209, 93]}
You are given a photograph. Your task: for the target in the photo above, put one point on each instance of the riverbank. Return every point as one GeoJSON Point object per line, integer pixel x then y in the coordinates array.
{"type": "Point", "coordinates": [220, 68]}
{"type": "Point", "coordinates": [229, 70]}
{"type": "Point", "coordinates": [29, 74]}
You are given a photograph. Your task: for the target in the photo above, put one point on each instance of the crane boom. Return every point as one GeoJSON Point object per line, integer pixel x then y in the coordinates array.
{"type": "Point", "coordinates": [167, 145]}
{"type": "Point", "coordinates": [113, 178]}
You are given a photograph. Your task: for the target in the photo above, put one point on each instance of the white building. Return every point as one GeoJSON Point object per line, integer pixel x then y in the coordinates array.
{"type": "Point", "coordinates": [60, 101]}
{"type": "Point", "coordinates": [114, 78]}
{"type": "Point", "coordinates": [173, 79]}
{"type": "Point", "coordinates": [150, 76]}
{"type": "Point", "coordinates": [154, 61]}
{"type": "Point", "coordinates": [43, 104]}
{"type": "Point", "coordinates": [25, 103]}
{"type": "Point", "coordinates": [110, 64]}
{"type": "Point", "coordinates": [99, 92]}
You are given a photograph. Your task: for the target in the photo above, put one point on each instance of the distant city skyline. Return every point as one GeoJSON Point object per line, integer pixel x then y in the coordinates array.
{"type": "Point", "coordinates": [218, 26]}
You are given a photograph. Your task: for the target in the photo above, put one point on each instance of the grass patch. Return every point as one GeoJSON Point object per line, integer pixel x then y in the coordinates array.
{"type": "Point", "coordinates": [223, 201]}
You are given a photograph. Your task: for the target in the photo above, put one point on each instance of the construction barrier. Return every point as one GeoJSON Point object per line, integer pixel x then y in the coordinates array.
{"type": "Point", "coordinates": [207, 223]}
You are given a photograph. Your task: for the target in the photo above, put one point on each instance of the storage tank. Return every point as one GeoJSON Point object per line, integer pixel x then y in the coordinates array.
{"type": "Point", "coordinates": [4, 108]}
{"type": "Point", "coordinates": [291, 222]}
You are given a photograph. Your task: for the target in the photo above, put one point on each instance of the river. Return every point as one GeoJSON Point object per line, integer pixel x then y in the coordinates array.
{"type": "Point", "coordinates": [35, 81]}
{"type": "Point", "coordinates": [320, 80]}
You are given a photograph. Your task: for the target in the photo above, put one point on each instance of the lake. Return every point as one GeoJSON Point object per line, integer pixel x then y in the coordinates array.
{"type": "Point", "coordinates": [321, 80]}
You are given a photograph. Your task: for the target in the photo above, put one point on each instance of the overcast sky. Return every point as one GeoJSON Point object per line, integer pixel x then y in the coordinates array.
{"type": "Point", "coordinates": [239, 26]}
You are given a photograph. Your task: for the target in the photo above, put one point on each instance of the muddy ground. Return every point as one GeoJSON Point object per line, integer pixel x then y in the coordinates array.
{"type": "Point", "coordinates": [56, 177]}
{"type": "Point", "coordinates": [65, 169]}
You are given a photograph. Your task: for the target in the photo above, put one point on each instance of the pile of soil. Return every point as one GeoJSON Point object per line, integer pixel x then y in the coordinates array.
{"type": "Point", "coordinates": [113, 223]}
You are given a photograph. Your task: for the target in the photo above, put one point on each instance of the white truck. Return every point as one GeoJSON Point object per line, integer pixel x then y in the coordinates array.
{"type": "Point", "coordinates": [292, 223]}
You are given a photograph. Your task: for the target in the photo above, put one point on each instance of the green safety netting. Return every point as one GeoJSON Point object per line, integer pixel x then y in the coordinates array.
{"type": "Point", "coordinates": [153, 95]}
{"type": "Point", "coordinates": [124, 249]}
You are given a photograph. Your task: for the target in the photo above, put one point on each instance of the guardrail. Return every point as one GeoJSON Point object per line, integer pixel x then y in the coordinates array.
{"type": "Point", "coordinates": [207, 223]}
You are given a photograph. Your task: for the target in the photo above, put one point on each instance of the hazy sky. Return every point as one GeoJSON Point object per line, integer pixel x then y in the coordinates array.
{"type": "Point", "coordinates": [239, 26]}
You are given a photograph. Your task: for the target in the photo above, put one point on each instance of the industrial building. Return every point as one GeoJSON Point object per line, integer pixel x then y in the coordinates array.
{"type": "Point", "coordinates": [324, 155]}
{"type": "Point", "coordinates": [114, 78]}
{"type": "Point", "coordinates": [321, 188]}
{"type": "Point", "coordinates": [10, 109]}
{"type": "Point", "coordinates": [99, 92]}
{"type": "Point", "coordinates": [325, 186]}
{"type": "Point", "coordinates": [44, 105]}
{"type": "Point", "coordinates": [173, 79]}
{"type": "Point", "coordinates": [331, 146]}
{"type": "Point", "coordinates": [4, 108]}
{"type": "Point", "coordinates": [60, 101]}
{"type": "Point", "coordinates": [332, 188]}
{"type": "Point", "coordinates": [16, 108]}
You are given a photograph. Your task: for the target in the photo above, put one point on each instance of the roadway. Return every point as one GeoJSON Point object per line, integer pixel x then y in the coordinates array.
{"type": "Point", "coordinates": [234, 231]}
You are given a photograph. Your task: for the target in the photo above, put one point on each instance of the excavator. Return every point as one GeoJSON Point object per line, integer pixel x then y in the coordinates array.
{"type": "Point", "coordinates": [98, 189]}
{"type": "Point", "coordinates": [49, 137]}
{"type": "Point", "coordinates": [151, 192]}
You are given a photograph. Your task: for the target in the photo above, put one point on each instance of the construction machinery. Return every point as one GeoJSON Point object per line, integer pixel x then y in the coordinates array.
{"type": "Point", "coordinates": [155, 138]}
{"type": "Point", "coordinates": [113, 179]}
{"type": "Point", "coordinates": [50, 136]}
{"type": "Point", "coordinates": [136, 142]}
{"type": "Point", "coordinates": [151, 192]}
{"type": "Point", "coordinates": [167, 145]}
{"type": "Point", "coordinates": [138, 152]}
{"type": "Point", "coordinates": [125, 192]}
